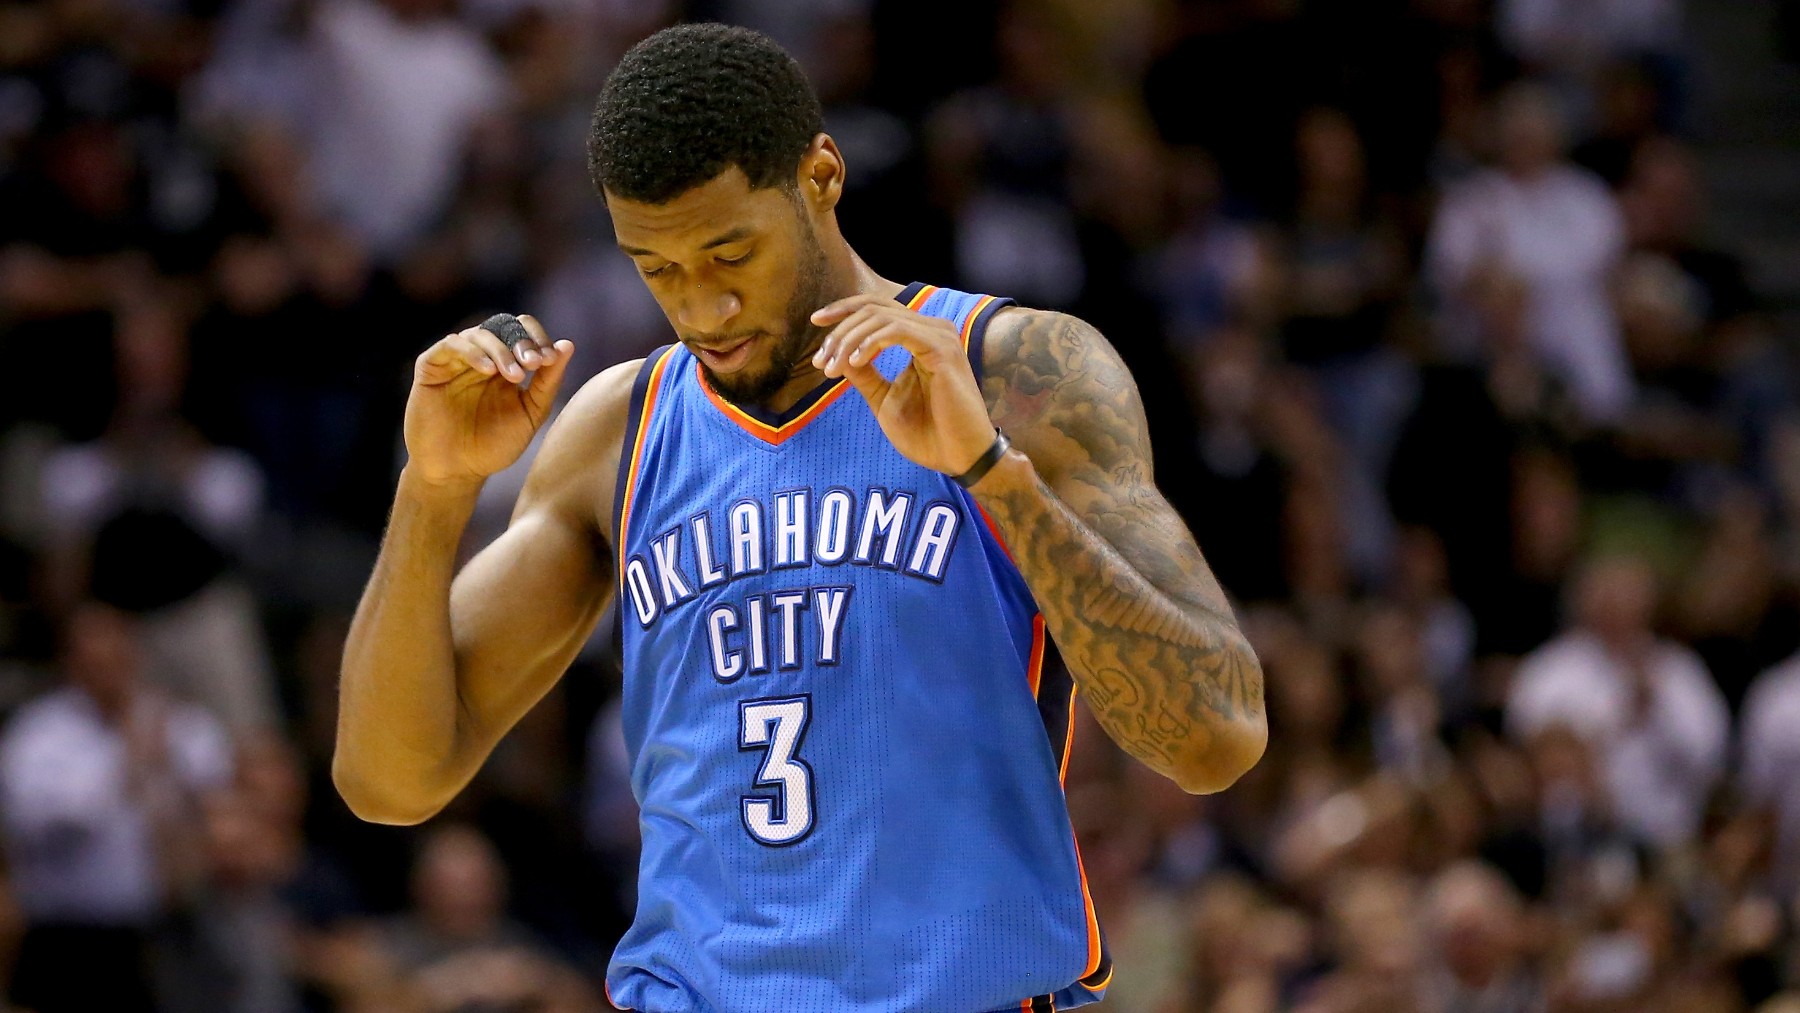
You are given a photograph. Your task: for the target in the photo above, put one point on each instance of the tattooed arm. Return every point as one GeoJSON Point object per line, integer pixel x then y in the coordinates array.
{"type": "Point", "coordinates": [1143, 625]}
{"type": "Point", "coordinates": [1137, 614]}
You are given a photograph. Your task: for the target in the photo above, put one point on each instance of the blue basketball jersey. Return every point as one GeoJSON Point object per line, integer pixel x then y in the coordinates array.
{"type": "Point", "coordinates": [846, 743]}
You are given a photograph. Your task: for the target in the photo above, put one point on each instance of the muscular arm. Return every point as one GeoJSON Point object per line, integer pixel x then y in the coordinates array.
{"type": "Point", "coordinates": [435, 672]}
{"type": "Point", "coordinates": [1141, 621]}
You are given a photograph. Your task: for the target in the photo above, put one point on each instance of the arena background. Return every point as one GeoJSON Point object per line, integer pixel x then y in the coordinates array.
{"type": "Point", "coordinates": [1465, 329]}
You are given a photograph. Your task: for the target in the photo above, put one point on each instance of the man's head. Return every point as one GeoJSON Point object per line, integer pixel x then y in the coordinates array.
{"type": "Point", "coordinates": [459, 882]}
{"type": "Point", "coordinates": [1616, 598]}
{"type": "Point", "coordinates": [102, 656]}
{"type": "Point", "coordinates": [1475, 918]}
{"type": "Point", "coordinates": [1532, 132]}
{"type": "Point", "coordinates": [706, 147]}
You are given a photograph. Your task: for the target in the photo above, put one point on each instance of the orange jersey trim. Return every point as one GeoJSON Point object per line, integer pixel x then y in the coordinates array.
{"type": "Point", "coordinates": [1034, 676]}
{"type": "Point", "coordinates": [968, 327]}
{"type": "Point", "coordinates": [1062, 776]}
{"type": "Point", "coordinates": [772, 435]}
{"type": "Point", "coordinates": [999, 539]}
{"type": "Point", "coordinates": [1093, 924]}
{"type": "Point", "coordinates": [777, 435]}
{"type": "Point", "coordinates": [1034, 672]}
{"type": "Point", "coordinates": [652, 391]}
{"type": "Point", "coordinates": [1096, 951]}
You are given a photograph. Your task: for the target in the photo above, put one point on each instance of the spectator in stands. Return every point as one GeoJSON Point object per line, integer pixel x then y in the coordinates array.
{"type": "Point", "coordinates": [264, 915]}
{"type": "Point", "coordinates": [102, 787]}
{"type": "Point", "coordinates": [1000, 156]}
{"type": "Point", "coordinates": [1215, 270]}
{"type": "Point", "coordinates": [151, 516]}
{"type": "Point", "coordinates": [1571, 42]}
{"type": "Point", "coordinates": [1750, 385]}
{"type": "Point", "coordinates": [1557, 229]}
{"type": "Point", "coordinates": [1405, 707]}
{"type": "Point", "coordinates": [1625, 121]}
{"type": "Point", "coordinates": [400, 89]}
{"type": "Point", "coordinates": [1248, 949]}
{"type": "Point", "coordinates": [1374, 942]}
{"type": "Point", "coordinates": [1420, 587]}
{"type": "Point", "coordinates": [1478, 946]}
{"type": "Point", "coordinates": [1344, 261]}
{"type": "Point", "coordinates": [1645, 706]}
{"type": "Point", "coordinates": [1769, 762]}
{"type": "Point", "coordinates": [458, 950]}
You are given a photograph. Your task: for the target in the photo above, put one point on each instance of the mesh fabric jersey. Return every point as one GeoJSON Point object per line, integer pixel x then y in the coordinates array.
{"type": "Point", "coordinates": [846, 724]}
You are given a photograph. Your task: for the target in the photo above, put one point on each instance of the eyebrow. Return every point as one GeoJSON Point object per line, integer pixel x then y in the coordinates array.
{"type": "Point", "coordinates": [738, 234]}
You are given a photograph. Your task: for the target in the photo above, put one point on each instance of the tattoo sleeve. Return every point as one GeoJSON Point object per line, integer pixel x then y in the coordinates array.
{"type": "Point", "coordinates": [1138, 616]}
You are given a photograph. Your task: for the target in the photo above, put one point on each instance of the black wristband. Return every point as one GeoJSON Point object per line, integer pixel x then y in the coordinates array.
{"type": "Point", "coordinates": [986, 461]}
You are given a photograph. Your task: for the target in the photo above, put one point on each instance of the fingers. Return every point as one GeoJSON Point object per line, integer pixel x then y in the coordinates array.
{"type": "Point", "coordinates": [534, 351]}
{"type": "Point", "coordinates": [542, 347]}
{"type": "Point", "coordinates": [453, 355]}
{"type": "Point", "coordinates": [835, 351]}
{"type": "Point", "coordinates": [869, 329]}
{"type": "Point", "coordinates": [541, 393]}
{"type": "Point", "coordinates": [479, 349]}
{"type": "Point", "coordinates": [833, 312]}
{"type": "Point", "coordinates": [509, 360]}
{"type": "Point", "coordinates": [850, 350]}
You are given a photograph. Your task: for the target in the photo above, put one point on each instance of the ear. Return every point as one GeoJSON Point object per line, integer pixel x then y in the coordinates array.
{"type": "Point", "coordinates": [821, 174]}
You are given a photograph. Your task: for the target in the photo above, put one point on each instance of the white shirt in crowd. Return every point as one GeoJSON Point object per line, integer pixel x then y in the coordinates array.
{"type": "Point", "coordinates": [1584, 33]}
{"type": "Point", "coordinates": [78, 846]}
{"type": "Point", "coordinates": [1657, 772]}
{"type": "Point", "coordinates": [1561, 233]}
{"type": "Point", "coordinates": [396, 108]}
{"type": "Point", "coordinates": [1770, 758]}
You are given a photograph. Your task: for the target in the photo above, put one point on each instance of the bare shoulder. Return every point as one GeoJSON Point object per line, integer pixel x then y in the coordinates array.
{"type": "Point", "coordinates": [1063, 395]}
{"type": "Point", "coordinates": [578, 466]}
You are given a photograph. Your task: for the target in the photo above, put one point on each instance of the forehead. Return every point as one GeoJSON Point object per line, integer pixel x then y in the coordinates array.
{"type": "Point", "coordinates": [721, 206]}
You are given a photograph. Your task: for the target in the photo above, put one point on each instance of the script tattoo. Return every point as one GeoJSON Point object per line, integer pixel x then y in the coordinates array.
{"type": "Point", "coordinates": [1138, 615]}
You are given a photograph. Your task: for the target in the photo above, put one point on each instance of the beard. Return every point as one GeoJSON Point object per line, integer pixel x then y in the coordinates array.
{"type": "Point", "coordinates": [754, 386]}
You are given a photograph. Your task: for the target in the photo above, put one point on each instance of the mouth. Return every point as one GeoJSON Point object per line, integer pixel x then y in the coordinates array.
{"type": "Point", "coordinates": [728, 357]}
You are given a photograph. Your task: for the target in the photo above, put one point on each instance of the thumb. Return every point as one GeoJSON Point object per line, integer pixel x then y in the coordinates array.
{"type": "Point", "coordinates": [540, 396]}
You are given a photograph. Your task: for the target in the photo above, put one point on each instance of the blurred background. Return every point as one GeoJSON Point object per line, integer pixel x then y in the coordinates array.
{"type": "Point", "coordinates": [1466, 329]}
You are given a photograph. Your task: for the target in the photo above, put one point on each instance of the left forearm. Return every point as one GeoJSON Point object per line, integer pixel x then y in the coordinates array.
{"type": "Point", "coordinates": [1174, 683]}
{"type": "Point", "coordinates": [172, 814]}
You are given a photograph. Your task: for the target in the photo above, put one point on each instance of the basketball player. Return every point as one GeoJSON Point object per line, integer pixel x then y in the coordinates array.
{"type": "Point", "coordinates": [846, 519]}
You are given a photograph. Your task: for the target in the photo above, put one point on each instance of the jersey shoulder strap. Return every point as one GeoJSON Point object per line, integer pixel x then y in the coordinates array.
{"type": "Point", "coordinates": [970, 312]}
{"type": "Point", "coordinates": [637, 420]}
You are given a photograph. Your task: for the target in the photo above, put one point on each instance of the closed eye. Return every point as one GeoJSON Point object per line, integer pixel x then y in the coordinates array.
{"type": "Point", "coordinates": [734, 261]}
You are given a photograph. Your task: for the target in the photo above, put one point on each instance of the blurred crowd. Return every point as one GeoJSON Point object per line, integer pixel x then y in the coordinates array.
{"type": "Point", "coordinates": [1498, 453]}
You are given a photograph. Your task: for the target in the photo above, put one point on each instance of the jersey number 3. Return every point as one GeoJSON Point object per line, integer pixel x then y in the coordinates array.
{"type": "Point", "coordinates": [777, 726]}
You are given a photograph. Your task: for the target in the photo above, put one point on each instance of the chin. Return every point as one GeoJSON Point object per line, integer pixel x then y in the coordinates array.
{"type": "Point", "coordinates": [746, 386]}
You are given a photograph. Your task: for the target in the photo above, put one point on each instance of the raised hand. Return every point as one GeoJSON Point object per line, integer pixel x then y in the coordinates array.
{"type": "Point", "coordinates": [932, 411]}
{"type": "Point", "coordinates": [473, 410]}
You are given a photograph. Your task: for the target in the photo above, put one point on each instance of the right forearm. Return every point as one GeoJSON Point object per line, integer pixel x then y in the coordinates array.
{"type": "Point", "coordinates": [399, 710]}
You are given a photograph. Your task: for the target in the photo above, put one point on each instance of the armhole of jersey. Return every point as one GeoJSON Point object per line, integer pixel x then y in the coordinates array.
{"type": "Point", "coordinates": [978, 332]}
{"type": "Point", "coordinates": [634, 422]}
{"type": "Point", "coordinates": [910, 292]}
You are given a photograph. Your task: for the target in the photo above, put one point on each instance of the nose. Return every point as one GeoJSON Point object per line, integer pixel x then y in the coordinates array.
{"type": "Point", "coordinates": [707, 311]}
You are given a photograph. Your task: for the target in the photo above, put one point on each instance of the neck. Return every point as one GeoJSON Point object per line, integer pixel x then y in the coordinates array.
{"type": "Point", "coordinates": [1529, 173]}
{"type": "Point", "coordinates": [846, 275]}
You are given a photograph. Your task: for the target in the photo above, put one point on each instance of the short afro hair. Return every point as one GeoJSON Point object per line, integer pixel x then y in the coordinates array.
{"type": "Point", "coordinates": [691, 101]}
